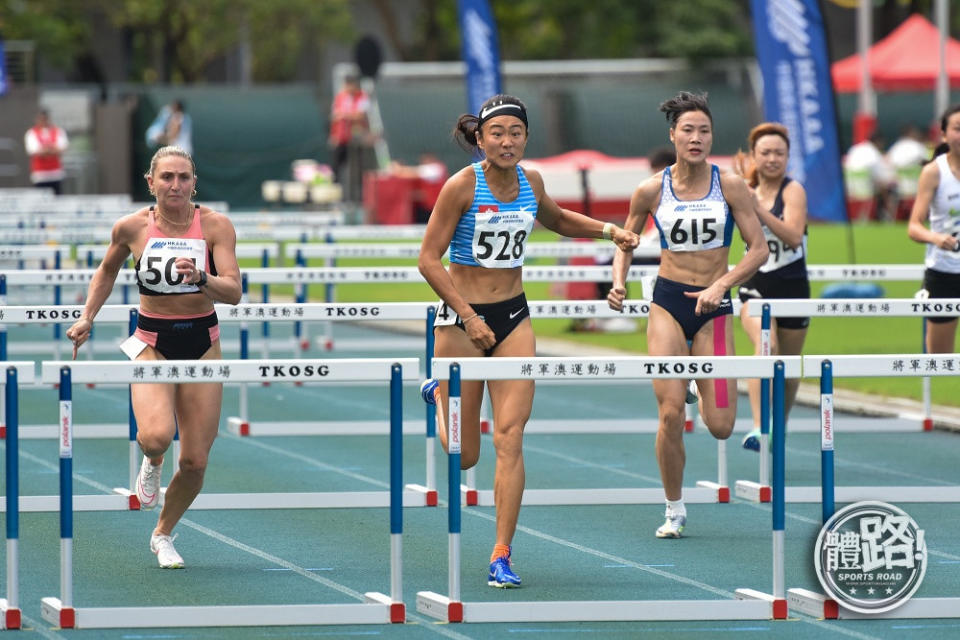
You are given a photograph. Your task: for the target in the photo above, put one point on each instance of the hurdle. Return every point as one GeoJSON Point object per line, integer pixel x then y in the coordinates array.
{"type": "Point", "coordinates": [242, 425]}
{"type": "Point", "coordinates": [410, 250]}
{"type": "Point", "coordinates": [88, 255]}
{"type": "Point", "coordinates": [836, 307]}
{"type": "Point", "coordinates": [16, 372]}
{"type": "Point", "coordinates": [750, 604]}
{"type": "Point", "coordinates": [898, 365]}
{"type": "Point", "coordinates": [124, 499]}
{"type": "Point", "coordinates": [377, 608]}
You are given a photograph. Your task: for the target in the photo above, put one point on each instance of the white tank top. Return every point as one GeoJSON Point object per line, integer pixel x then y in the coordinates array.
{"type": "Point", "coordinates": [693, 225]}
{"type": "Point", "coordinates": [945, 218]}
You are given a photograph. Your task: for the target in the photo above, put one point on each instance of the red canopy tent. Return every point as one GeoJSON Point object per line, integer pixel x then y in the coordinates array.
{"type": "Point", "coordinates": [908, 59]}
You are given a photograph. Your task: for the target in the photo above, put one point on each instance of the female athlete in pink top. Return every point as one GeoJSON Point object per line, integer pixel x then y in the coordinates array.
{"type": "Point", "coordinates": [175, 244]}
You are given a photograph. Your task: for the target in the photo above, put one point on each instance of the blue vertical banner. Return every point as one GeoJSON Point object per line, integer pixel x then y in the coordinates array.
{"type": "Point", "coordinates": [3, 70]}
{"type": "Point", "coordinates": [791, 49]}
{"type": "Point", "coordinates": [480, 50]}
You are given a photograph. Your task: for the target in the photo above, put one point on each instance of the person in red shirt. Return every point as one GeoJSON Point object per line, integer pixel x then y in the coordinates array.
{"type": "Point", "coordinates": [45, 143]}
{"type": "Point", "coordinates": [349, 129]}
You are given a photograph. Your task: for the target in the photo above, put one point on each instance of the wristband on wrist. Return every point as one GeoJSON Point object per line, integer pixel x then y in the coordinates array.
{"type": "Point", "coordinates": [608, 231]}
{"type": "Point", "coordinates": [464, 321]}
{"type": "Point", "coordinates": [202, 282]}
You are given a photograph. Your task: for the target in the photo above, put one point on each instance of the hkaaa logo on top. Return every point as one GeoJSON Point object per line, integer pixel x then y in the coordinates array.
{"type": "Point", "coordinates": [870, 557]}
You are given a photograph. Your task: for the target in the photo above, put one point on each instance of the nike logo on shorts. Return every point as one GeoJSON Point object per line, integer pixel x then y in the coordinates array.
{"type": "Point", "coordinates": [516, 313]}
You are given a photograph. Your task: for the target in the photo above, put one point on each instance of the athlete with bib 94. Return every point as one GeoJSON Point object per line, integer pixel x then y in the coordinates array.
{"type": "Point", "coordinates": [695, 207]}
{"type": "Point", "coordinates": [185, 261]}
{"type": "Point", "coordinates": [484, 215]}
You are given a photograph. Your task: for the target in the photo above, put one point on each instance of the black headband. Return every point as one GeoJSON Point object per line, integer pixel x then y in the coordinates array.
{"type": "Point", "coordinates": [502, 109]}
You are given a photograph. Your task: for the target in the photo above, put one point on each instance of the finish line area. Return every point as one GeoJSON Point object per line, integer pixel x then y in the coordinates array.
{"type": "Point", "coordinates": [563, 552]}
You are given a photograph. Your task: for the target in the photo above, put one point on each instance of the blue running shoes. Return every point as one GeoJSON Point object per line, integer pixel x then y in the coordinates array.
{"type": "Point", "coordinates": [501, 575]}
{"type": "Point", "coordinates": [751, 441]}
{"type": "Point", "coordinates": [427, 389]}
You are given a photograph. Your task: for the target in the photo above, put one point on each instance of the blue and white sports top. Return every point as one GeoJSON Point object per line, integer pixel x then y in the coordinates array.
{"type": "Point", "coordinates": [693, 225]}
{"type": "Point", "coordinates": [945, 218]}
{"type": "Point", "coordinates": [492, 233]}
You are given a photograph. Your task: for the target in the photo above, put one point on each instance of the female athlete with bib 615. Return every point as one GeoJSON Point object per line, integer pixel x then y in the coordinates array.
{"type": "Point", "coordinates": [185, 261]}
{"type": "Point", "coordinates": [484, 215]}
{"type": "Point", "coordinates": [695, 207]}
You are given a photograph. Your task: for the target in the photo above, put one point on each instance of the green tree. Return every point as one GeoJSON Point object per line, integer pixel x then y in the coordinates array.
{"type": "Point", "coordinates": [177, 40]}
{"type": "Point", "coordinates": [190, 35]}
{"type": "Point", "coordinates": [59, 29]}
{"type": "Point", "coordinates": [572, 29]}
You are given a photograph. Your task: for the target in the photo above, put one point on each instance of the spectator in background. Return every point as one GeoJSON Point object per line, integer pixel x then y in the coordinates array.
{"type": "Point", "coordinates": [349, 134]}
{"type": "Point", "coordinates": [869, 179]}
{"type": "Point", "coordinates": [429, 175]}
{"type": "Point", "coordinates": [45, 143]}
{"type": "Point", "coordinates": [173, 127]}
{"type": "Point", "coordinates": [906, 157]}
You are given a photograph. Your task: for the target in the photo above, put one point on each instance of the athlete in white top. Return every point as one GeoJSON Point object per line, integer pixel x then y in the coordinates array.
{"type": "Point", "coordinates": [690, 314]}
{"type": "Point", "coordinates": [938, 202]}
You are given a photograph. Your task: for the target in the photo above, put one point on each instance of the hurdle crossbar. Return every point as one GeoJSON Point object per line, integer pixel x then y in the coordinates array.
{"type": "Point", "coordinates": [532, 250]}
{"type": "Point", "coordinates": [860, 307]}
{"type": "Point", "coordinates": [590, 370]}
{"type": "Point", "coordinates": [896, 365]}
{"type": "Point", "coordinates": [749, 604]}
{"type": "Point", "coordinates": [33, 252]}
{"type": "Point", "coordinates": [839, 307]}
{"type": "Point", "coordinates": [336, 275]}
{"type": "Point", "coordinates": [242, 371]}
{"type": "Point", "coordinates": [377, 608]}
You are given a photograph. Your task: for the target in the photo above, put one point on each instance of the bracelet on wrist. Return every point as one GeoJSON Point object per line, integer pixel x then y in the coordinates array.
{"type": "Point", "coordinates": [464, 321]}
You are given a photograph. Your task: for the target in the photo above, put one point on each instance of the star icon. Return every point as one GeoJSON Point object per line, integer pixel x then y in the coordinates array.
{"type": "Point", "coordinates": [871, 591]}
{"type": "Point", "coordinates": [889, 591]}
{"type": "Point", "coordinates": [853, 590]}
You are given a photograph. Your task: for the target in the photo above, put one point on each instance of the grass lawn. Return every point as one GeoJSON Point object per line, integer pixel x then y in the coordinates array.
{"type": "Point", "coordinates": [828, 244]}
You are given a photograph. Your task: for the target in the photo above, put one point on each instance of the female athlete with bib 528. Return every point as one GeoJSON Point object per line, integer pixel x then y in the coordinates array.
{"type": "Point", "coordinates": [484, 215]}
{"type": "Point", "coordinates": [938, 202]}
{"type": "Point", "coordinates": [695, 207]}
{"type": "Point", "coordinates": [782, 207]}
{"type": "Point", "coordinates": [185, 261]}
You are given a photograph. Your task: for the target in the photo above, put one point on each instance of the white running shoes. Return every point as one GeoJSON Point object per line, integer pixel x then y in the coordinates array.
{"type": "Point", "coordinates": [148, 484]}
{"type": "Point", "coordinates": [167, 556]}
{"type": "Point", "coordinates": [673, 526]}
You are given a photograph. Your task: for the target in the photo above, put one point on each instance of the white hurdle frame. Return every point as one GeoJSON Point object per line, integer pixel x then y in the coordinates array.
{"type": "Point", "coordinates": [15, 372]}
{"type": "Point", "coordinates": [759, 491]}
{"type": "Point", "coordinates": [411, 250]}
{"type": "Point", "coordinates": [896, 365]}
{"type": "Point", "coordinates": [242, 425]}
{"type": "Point", "coordinates": [378, 608]}
{"type": "Point", "coordinates": [749, 605]}
{"type": "Point", "coordinates": [125, 499]}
